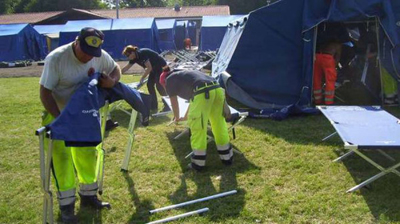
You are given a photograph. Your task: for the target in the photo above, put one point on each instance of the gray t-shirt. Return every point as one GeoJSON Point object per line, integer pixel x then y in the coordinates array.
{"type": "Point", "coordinates": [63, 73]}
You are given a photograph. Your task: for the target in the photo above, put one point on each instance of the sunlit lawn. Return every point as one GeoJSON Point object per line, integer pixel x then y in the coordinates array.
{"type": "Point", "coordinates": [285, 174]}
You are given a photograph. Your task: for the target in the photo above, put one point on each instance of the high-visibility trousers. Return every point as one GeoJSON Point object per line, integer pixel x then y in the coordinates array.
{"type": "Point", "coordinates": [64, 163]}
{"type": "Point", "coordinates": [324, 65]}
{"type": "Point", "coordinates": [202, 110]}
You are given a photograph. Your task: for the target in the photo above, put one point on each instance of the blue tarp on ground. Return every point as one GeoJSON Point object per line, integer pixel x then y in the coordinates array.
{"type": "Point", "coordinates": [213, 29]}
{"type": "Point", "coordinates": [21, 42]}
{"type": "Point", "coordinates": [141, 32]}
{"type": "Point", "coordinates": [51, 33]}
{"type": "Point", "coordinates": [166, 31]}
{"type": "Point", "coordinates": [269, 54]}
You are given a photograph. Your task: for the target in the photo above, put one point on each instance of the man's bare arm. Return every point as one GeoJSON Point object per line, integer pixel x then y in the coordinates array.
{"type": "Point", "coordinates": [110, 80]}
{"type": "Point", "coordinates": [48, 101]}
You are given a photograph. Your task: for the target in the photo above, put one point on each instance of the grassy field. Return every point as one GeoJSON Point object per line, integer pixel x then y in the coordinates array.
{"type": "Point", "coordinates": [285, 174]}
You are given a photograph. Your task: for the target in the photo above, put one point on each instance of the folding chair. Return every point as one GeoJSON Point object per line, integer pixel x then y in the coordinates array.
{"type": "Point", "coordinates": [45, 166]}
{"type": "Point", "coordinates": [365, 128]}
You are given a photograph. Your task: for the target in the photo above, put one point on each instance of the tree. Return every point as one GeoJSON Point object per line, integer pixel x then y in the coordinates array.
{"type": "Point", "coordinates": [7, 6]}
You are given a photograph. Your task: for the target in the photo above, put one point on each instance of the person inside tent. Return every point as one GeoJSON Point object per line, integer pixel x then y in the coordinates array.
{"type": "Point", "coordinates": [207, 101]}
{"type": "Point", "coordinates": [187, 43]}
{"type": "Point", "coordinates": [326, 59]}
{"type": "Point", "coordinates": [152, 63]}
{"type": "Point", "coordinates": [65, 69]}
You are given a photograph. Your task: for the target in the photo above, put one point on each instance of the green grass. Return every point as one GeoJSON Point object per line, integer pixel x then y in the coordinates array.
{"type": "Point", "coordinates": [285, 174]}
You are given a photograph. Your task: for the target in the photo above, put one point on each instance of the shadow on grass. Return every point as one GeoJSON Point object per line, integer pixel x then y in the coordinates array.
{"type": "Point", "coordinates": [215, 171]}
{"type": "Point", "coordinates": [89, 215]}
{"type": "Point", "coordinates": [123, 119]}
{"type": "Point", "coordinates": [142, 207]}
{"type": "Point", "coordinates": [382, 195]}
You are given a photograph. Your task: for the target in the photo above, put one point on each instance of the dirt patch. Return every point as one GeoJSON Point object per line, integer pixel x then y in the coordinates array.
{"type": "Point", "coordinates": [35, 70]}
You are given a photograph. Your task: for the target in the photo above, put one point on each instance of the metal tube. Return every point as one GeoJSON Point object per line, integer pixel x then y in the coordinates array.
{"type": "Point", "coordinates": [180, 216]}
{"type": "Point", "coordinates": [193, 201]}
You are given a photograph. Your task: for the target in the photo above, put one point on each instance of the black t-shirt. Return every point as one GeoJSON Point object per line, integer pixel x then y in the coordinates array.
{"type": "Point", "coordinates": [144, 55]}
{"type": "Point", "coordinates": [182, 83]}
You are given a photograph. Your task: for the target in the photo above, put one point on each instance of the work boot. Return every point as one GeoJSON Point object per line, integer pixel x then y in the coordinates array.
{"type": "Point", "coordinates": [227, 162]}
{"type": "Point", "coordinates": [67, 214]}
{"type": "Point", "coordinates": [111, 125]}
{"type": "Point", "coordinates": [144, 120]}
{"type": "Point", "coordinates": [93, 202]}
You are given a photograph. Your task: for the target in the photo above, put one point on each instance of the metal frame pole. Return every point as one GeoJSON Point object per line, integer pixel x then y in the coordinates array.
{"type": "Point", "coordinates": [200, 211]}
{"type": "Point", "coordinates": [193, 201]}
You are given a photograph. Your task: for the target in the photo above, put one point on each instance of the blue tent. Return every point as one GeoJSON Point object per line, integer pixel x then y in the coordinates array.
{"type": "Point", "coordinates": [166, 31]}
{"type": "Point", "coordinates": [21, 42]}
{"type": "Point", "coordinates": [72, 28]}
{"type": "Point", "coordinates": [141, 32]}
{"type": "Point", "coordinates": [51, 33]}
{"type": "Point", "coordinates": [269, 53]}
{"type": "Point", "coordinates": [180, 34]}
{"type": "Point", "coordinates": [213, 29]}
{"type": "Point", "coordinates": [191, 29]}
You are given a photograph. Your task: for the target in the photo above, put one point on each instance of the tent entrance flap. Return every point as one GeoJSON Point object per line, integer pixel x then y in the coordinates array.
{"type": "Point", "coordinates": [355, 50]}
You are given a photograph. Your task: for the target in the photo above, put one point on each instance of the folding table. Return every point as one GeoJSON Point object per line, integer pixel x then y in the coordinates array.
{"type": "Point", "coordinates": [365, 128]}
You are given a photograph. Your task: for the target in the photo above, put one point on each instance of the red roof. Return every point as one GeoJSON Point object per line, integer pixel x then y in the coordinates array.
{"type": "Point", "coordinates": [156, 12]}
{"type": "Point", "coordinates": [27, 17]}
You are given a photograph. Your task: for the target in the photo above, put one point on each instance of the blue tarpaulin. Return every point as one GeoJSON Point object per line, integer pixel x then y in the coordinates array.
{"type": "Point", "coordinates": [213, 29]}
{"type": "Point", "coordinates": [119, 33]}
{"type": "Point", "coordinates": [21, 42]}
{"type": "Point", "coordinates": [166, 31]}
{"type": "Point", "coordinates": [191, 29]}
{"type": "Point", "coordinates": [79, 123]}
{"type": "Point", "coordinates": [51, 33]}
{"type": "Point", "coordinates": [269, 53]}
{"type": "Point", "coordinates": [72, 28]}
{"type": "Point", "coordinates": [180, 34]}
{"type": "Point", "coordinates": [141, 32]}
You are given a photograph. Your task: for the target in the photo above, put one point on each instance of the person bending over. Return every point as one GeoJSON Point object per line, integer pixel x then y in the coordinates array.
{"type": "Point", "coordinates": [152, 63]}
{"type": "Point", "coordinates": [207, 100]}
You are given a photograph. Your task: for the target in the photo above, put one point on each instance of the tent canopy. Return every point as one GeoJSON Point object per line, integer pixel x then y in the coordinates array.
{"type": "Point", "coordinates": [213, 29]}
{"type": "Point", "coordinates": [180, 34]}
{"type": "Point", "coordinates": [72, 28]}
{"type": "Point", "coordinates": [48, 29]}
{"type": "Point", "coordinates": [21, 42]}
{"type": "Point", "coordinates": [141, 32]}
{"type": "Point", "coordinates": [166, 31]}
{"type": "Point", "coordinates": [269, 53]}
